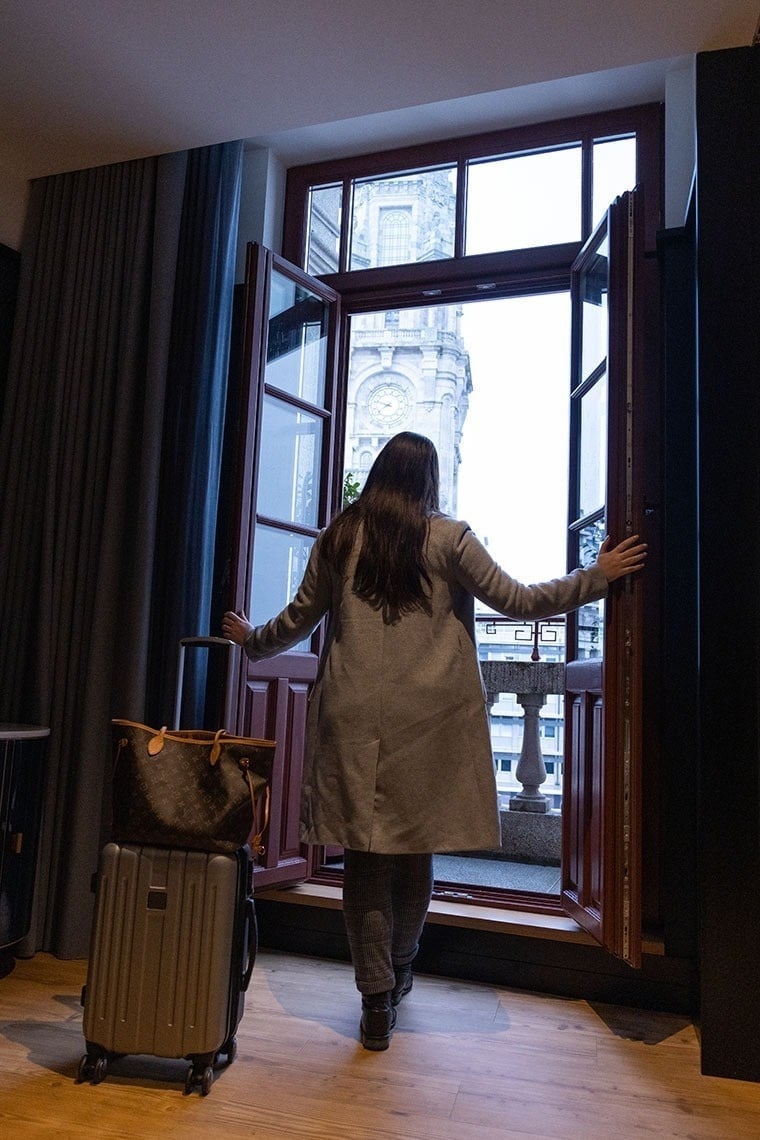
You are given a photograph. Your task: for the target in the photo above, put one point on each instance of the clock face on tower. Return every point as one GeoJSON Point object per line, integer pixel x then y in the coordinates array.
{"type": "Point", "coordinates": [389, 404]}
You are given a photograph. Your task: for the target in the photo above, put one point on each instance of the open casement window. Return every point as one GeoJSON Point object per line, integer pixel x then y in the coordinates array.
{"type": "Point", "coordinates": [285, 499]}
{"type": "Point", "coordinates": [292, 424]}
{"type": "Point", "coordinates": [601, 863]}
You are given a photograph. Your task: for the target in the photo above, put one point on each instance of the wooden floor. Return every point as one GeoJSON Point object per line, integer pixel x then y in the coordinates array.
{"type": "Point", "coordinates": [467, 1062]}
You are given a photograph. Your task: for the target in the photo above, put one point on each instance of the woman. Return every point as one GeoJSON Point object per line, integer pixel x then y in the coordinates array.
{"type": "Point", "coordinates": [398, 758]}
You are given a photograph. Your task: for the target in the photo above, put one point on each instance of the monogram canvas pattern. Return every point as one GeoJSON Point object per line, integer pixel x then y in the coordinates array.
{"type": "Point", "coordinates": [184, 789]}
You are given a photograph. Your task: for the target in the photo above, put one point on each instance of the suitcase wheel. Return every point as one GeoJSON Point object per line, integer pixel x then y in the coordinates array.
{"type": "Point", "coordinates": [229, 1050]}
{"type": "Point", "coordinates": [92, 1068]}
{"type": "Point", "coordinates": [199, 1077]}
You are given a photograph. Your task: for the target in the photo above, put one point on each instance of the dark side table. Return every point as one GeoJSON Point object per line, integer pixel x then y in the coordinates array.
{"type": "Point", "coordinates": [23, 760]}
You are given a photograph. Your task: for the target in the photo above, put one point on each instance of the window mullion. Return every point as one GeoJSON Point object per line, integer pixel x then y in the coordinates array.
{"type": "Point", "coordinates": [587, 186]}
{"type": "Point", "coordinates": [345, 224]}
{"type": "Point", "coordinates": [460, 217]}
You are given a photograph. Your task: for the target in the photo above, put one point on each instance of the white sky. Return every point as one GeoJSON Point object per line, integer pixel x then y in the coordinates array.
{"type": "Point", "coordinates": [513, 477]}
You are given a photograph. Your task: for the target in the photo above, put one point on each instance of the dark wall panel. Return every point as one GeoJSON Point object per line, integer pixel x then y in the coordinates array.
{"type": "Point", "coordinates": [728, 362]}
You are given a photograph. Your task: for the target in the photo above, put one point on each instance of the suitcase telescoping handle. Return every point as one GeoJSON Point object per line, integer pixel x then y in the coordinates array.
{"type": "Point", "coordinates": [207, 642]}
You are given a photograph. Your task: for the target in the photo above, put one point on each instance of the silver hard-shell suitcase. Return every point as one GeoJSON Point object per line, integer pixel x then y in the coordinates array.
{"type": "Point", "coordinates": [172, 946]}
{"type": "Point", "coordinates": [172, 949]}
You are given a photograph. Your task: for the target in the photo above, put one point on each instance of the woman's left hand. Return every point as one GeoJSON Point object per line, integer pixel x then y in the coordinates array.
{"type": "Point", "coordinates": [625, 558]}
{"type": "Point", "coordinates": [236, 626]}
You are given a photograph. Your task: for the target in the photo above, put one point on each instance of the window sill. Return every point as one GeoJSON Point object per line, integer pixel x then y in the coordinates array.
{"type": "Point", "coordinates": [445, 912]}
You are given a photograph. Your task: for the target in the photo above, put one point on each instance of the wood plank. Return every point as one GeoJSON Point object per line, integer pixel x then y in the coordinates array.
{"type": "Point", "coordinates": [467, 1062]}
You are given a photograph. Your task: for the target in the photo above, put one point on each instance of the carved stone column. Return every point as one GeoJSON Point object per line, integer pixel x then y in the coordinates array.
{"type": "Point", "coordinates": [531, 770]}
{"type": "Point", "coordinates": [530, 681]}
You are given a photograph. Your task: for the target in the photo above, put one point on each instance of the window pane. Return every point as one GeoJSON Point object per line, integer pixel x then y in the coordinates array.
{"type": "Point", "coordinates": [523, 201]}
{"type": "Point", "coordinates": [590, 621]}
{"type": "Point", "coordinates": [323, 230]}
{"type": "Point", "coordinates": [592, 476]}
{"type": "Point", "coordinates": [487, 382]}
{"type": "Point", "coordinates": [291, 453]}
{"type": "Point", "coordinates": [614, 172]}
{"type": "Point", "coordinates": [404, 218]}
{"type": "Point", "coordinates": [594, 286]}
{"type": "Point", "coordinates": [279, 562]}
{"type": "Point", "coordinates": [296, 340]}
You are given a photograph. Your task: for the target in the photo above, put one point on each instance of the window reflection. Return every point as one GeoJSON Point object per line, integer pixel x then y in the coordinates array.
{"type": "Point", "coordinates": [590, 618]}
{"type": "Point", "coordinates": [279, 562]}
{"type": "Point", "coordinates": [593, 450]}
{"type": "Point", "coordinates": [296, 340]}
{"type": "Point", "coordinates": [323, 229]}
{"type": "Point", "coordinates": [291, 451]}
{"type": "Point", "coordinates": [594, 288]}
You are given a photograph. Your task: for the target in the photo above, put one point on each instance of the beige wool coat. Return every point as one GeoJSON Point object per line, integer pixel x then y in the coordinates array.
{"type": "Point", "coordinates": [398, 752]}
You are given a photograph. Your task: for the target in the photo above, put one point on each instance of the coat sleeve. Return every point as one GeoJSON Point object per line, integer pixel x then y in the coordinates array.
{"type": "Point", "coordinates": [300, 617]}
{"type": "Point", "coordinates": [477, 572]}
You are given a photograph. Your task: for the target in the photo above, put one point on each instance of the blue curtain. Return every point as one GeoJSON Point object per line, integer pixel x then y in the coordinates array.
{"type": "Point", "coordinates": [110, 451]}
{"type": "Point", "coordinates": [191, 456]}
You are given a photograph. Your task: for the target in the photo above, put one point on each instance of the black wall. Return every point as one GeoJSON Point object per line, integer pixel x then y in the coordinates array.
{"type": "Point", "coordinates": [679, 674]}
{"type": "Point", "coordinates": [728, 371]}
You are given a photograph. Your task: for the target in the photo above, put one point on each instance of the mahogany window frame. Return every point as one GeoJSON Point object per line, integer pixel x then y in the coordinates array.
{"type": "Point", "coordinates": [465, 277]}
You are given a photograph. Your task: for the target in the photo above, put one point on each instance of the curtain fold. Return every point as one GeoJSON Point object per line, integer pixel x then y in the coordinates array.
{"type": "Point", "coordinates": [117, 382]}
{"type": "Point", "coordinates": [194, 425]}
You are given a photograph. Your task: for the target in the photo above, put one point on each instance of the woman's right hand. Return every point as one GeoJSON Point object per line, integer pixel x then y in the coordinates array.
{"type": "Point", "coordinates": [236, 626]}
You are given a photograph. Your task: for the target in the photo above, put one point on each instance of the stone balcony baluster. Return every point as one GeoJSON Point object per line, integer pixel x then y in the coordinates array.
{"type": "Point", "coordinates": [530, 681]}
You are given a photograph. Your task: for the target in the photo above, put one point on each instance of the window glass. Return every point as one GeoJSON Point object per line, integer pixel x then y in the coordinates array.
{"type": "Point", "coordinates": [279, 562]}
{"type": "Point", "coordinates": [590, 621]}
{"type": "Point", "coordinates": [594, 286]}
{"type": "Point", "coordinates": [593, 449]}
{"type": "Point", "coordinates": [521, 201]}
{"type": "Point", "coordinates": [482, 379]}
{"type": "Point", "coordinates": [614, 172]}
{"type": "Point", "coordinates": [291, 452]}
{"type": "Point", "coordinates": [296, 340]}
{"type": "Point", "coordinates": [323, 229]}
{"type": "Point", "coordinates": [403, 218]}
{"type": "Point", "coordinates": [394, 236]}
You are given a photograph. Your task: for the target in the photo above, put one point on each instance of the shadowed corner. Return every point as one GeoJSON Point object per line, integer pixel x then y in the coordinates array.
{"type": "Point", "coordinates": [648, 1027]}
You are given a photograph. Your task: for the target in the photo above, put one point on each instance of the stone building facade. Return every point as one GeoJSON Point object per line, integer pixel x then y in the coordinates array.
{"type": "Point", "coordinates": [409, 368]}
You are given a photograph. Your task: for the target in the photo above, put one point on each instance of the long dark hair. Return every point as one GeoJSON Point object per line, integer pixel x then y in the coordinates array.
{"type": "Point", "coordinates": [400, 494]}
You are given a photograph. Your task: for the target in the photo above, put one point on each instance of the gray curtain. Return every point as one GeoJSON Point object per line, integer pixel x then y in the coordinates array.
{"type": "Point", "coordinates": [121, 267]}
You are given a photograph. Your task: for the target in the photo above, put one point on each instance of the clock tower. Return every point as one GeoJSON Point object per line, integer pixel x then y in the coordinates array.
{"type": "Point", "coordinates": [409, 369]}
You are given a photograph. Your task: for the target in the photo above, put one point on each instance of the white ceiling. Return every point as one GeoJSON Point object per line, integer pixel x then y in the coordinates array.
{"type": "Point", "coordinates": [86, 82]}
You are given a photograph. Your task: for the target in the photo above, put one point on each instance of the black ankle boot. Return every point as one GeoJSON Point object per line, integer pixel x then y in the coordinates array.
{"type": "Point", "coordinates": [403, 984]}
{"type": "Point", "coordinates": [378, 1020]}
